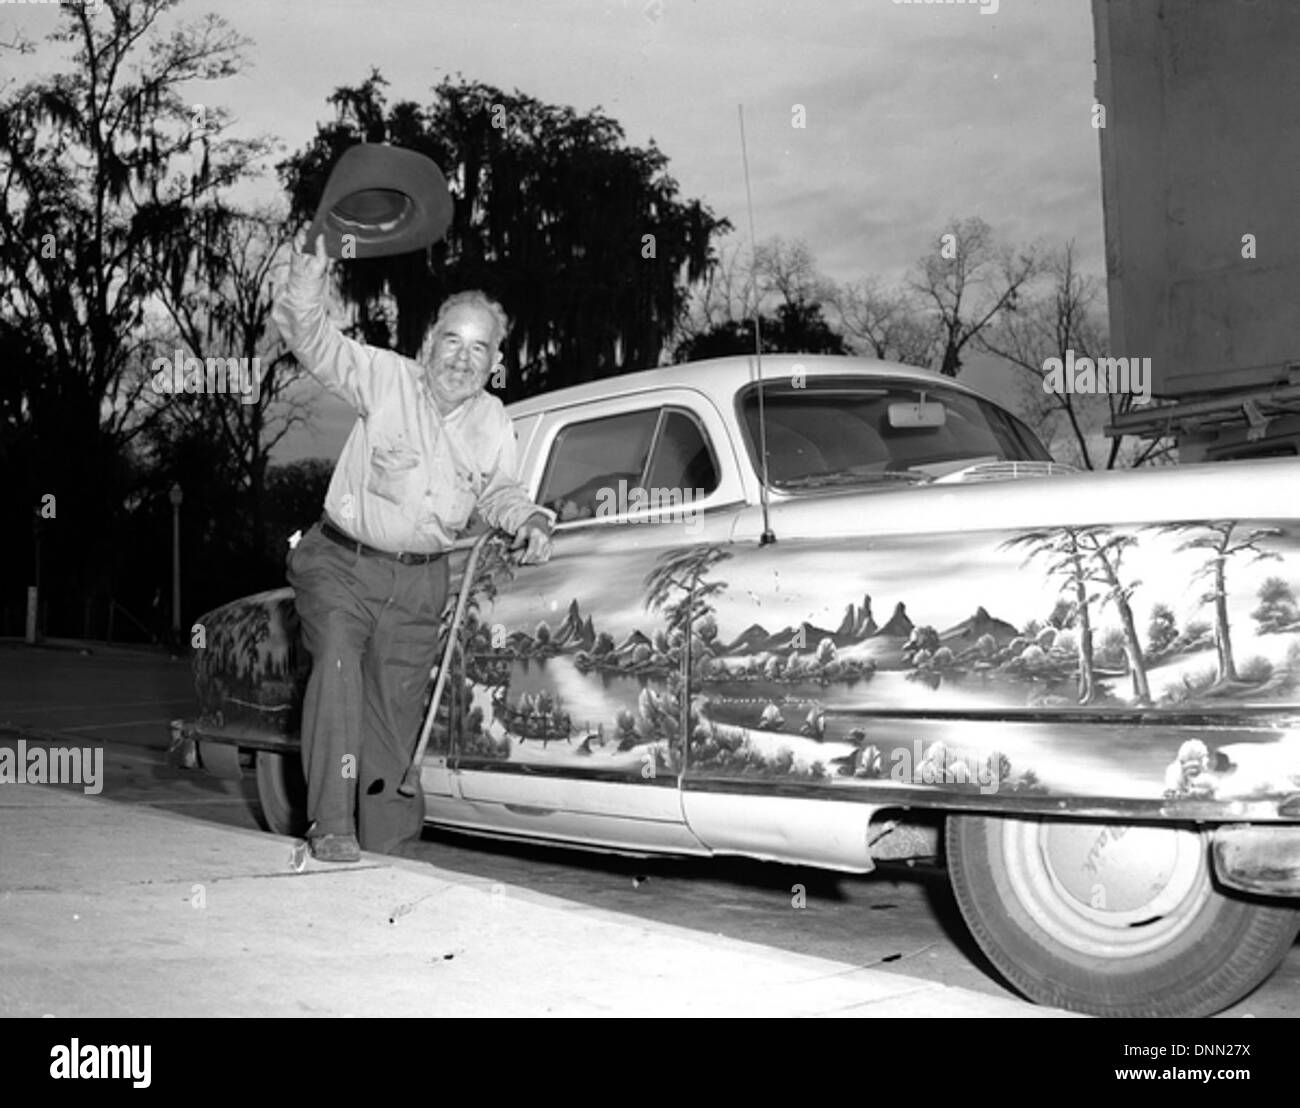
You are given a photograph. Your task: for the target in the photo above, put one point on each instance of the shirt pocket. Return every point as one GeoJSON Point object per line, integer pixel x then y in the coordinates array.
{"type": "Point", "coordinates": [390, 473]}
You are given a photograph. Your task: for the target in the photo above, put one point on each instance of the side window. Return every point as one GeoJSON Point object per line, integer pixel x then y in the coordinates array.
{"type": "Point", "coordinates": [595, 455]}
{"type": "Point", "coordinates": [596, 465]}
{"type": "Point", "coordinates": [682, 458]}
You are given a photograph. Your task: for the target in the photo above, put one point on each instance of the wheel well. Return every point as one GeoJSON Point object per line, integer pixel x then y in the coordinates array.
{"type": "Point", "coordinates": [902, 834]}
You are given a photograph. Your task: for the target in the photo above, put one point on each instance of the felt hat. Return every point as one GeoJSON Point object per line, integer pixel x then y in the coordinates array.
{"type": "Point", "coordinates": [390, 199]}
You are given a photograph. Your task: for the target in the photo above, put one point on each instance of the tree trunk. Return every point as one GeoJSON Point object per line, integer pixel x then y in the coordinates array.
{"type": "Point", "coordinates": [1222, 638]}
{"type": "Point", "coordinates": [1133, 648]}
{"type": "Point", "coordinates": [1087, 680]}
{"type": "Point", "coordinates": [951, 361]}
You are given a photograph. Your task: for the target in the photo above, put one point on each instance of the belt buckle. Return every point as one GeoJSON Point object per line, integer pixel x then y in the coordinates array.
{"type": "Point", "coordinates": [409, 559]}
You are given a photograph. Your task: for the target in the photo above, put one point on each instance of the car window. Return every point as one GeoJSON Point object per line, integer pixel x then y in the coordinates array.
{"type": "Point", "coordinates": [597, 466]}
{"type": "Point", "coordinates": [682, 458]}
{"type": "Point", "coordinates": [594, 455]}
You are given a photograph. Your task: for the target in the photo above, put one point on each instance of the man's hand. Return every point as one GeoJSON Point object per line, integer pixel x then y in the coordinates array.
{"type": "Point", "coordinates": [534, 537]}
{"type": "Point", "coordinates": [308, 266]}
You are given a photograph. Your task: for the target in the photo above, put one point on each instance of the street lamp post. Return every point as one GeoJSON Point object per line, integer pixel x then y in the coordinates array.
{"type": "Point", "coordinates": [33, 627]}
{"type": "Point", "coordinates": [175, 497]}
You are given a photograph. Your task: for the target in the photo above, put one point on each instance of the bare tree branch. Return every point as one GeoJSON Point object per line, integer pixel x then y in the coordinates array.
{"type": "Point", "coordinates": [972, 281]}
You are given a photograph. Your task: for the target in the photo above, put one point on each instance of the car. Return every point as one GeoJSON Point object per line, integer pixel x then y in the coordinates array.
{"type": "Point", "coordinates": [833, 611]}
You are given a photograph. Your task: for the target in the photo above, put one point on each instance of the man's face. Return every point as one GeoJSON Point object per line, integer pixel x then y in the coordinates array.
{"type": "Point", "coordinates": [462, 355]}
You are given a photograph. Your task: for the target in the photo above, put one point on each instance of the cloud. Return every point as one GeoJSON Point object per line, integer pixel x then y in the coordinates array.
{"type": "Point", "coordinates": [914, 113]}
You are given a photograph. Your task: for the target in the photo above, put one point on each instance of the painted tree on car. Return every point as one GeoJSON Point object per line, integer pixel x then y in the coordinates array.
{"type": "Point", "coordinates": [1107, 549]}
{"type": "Point", "coordinates": [1217, 539]}
{"type": "Point", "coordinates": [1066, 561]}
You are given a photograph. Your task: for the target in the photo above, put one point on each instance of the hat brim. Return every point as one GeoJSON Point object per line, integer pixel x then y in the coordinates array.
{"type": "Point", "coordinates": [381, 200]}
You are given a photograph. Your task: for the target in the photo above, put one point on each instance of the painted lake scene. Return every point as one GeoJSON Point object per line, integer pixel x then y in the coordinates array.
{"type": "Point", "coordinates": [793, 655]}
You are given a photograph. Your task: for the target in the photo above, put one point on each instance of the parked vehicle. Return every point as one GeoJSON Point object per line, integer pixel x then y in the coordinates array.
{"type": "Point", "coordinates": [1215, 323]}
{"type": "Point", "coordinates": [1091, 678]}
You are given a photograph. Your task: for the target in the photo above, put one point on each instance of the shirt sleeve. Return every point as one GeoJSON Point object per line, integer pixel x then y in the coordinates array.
{"type": "Point", "coordinates": [504, 502]}
{"type": "Point", "coordinates": [343, 365]}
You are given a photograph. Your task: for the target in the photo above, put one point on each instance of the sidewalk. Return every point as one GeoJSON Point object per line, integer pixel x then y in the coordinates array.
{"type": "Point", "coordinates": [109, 910]}
{"type": "Point", "coordinates": [91, 646]}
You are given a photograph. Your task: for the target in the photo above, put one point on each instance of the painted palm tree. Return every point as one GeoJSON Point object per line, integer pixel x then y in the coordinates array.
{"type": "Point", "coordinates": [478, 649]}
{"type": "Point", "coordinates": [495, 570]}
{"type": "Point", "coordinates": [1106, 550]}
{"type": "Point", "coordinates": [1066, 561]}
{"type": "Point", "coordinates": [1217, 538]}
{"type": "Point", "coordinates": [677, 588]}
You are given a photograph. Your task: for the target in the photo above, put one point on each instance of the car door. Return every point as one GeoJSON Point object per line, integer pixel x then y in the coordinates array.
{"type": "Point", "coordinates": [571, 713]}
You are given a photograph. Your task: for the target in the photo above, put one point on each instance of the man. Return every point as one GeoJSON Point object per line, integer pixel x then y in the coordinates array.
{"type": "Point", "coordinates": [429, 447]}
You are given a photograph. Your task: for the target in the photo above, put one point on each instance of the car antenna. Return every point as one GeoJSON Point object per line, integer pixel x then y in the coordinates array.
{"type": "Point", "coordinates": [766, 537]}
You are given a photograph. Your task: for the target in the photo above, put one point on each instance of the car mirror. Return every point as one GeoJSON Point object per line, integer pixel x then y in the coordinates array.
{"type": "Point", "coordinates": [921, 414]}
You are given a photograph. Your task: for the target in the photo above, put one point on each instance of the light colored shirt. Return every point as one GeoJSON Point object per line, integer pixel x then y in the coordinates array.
{"type": "Point", "coordinates": [408, 478]}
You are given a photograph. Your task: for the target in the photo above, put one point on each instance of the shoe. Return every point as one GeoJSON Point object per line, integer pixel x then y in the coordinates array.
{"type": "Point", "coordinates": [335, 848]}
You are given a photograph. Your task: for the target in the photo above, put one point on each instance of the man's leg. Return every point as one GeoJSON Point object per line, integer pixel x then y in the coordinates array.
{"type": "Point", "coordinates": [395, 673]}
{"type": "Point", "coordinates": [337, 621]}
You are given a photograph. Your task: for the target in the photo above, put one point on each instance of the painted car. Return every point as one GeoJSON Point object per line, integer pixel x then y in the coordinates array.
{"type": "Point", "coordinates": [848, 611]}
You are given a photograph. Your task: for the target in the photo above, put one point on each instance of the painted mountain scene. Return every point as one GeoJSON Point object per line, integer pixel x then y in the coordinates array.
{"type": "Point", "coordinates": [817, 662]}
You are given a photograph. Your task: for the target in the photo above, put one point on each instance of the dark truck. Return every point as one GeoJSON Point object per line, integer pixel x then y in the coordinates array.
{"type": "Point", "coordinates": [1200, 158]}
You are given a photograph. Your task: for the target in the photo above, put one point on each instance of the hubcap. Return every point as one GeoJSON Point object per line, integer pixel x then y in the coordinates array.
{"type": "Point", "coordinates": [1108, 890]}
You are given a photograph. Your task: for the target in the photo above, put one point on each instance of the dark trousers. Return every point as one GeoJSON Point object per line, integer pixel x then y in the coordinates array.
{"type": "Point", "coordinates": [371, 626]}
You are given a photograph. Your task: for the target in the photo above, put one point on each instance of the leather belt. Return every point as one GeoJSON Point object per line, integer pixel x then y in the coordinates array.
{"type": "Point", "coordinates": [335, 535]}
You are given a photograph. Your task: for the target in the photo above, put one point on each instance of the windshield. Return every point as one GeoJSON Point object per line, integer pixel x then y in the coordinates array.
{"type": "Point", "coordinates": [840, 431]}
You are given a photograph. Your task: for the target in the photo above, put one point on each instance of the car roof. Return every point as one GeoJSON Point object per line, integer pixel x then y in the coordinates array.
{"type": "Point", "coordinates": [721, 378]}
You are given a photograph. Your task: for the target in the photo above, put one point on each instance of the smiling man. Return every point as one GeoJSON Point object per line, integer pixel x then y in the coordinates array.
{"type": "Point", "coordinates": [430, 447]}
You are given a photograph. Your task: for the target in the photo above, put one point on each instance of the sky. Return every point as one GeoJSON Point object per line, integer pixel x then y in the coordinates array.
{"type": "Point", "coordinates": [913, 113]}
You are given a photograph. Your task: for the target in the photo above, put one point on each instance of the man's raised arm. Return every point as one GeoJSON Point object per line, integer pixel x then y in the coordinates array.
{"type": "Point", "coordinates": [341, 364]}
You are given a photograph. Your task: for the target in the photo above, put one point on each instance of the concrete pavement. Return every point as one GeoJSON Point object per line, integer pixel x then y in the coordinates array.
{"type": "Point", "coordinates": [110, 910]}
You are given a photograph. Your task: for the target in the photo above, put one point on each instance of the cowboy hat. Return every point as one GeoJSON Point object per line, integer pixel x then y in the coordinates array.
{"type": "Point", "coordinates": [389, 199]}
